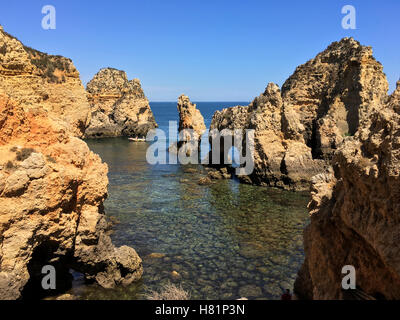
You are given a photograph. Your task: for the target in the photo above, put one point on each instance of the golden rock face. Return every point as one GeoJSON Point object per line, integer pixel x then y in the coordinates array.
{"type": "Point", "coordinates": [52, 189]}
{"type": "Point", "coordinates": [118, 106]}
{"type": "Point", "coordinates": [300, 126]}
{"type": "Point", "coordinates": [355, 213]}
{"type": "Point", "coordinates": [35, 79]}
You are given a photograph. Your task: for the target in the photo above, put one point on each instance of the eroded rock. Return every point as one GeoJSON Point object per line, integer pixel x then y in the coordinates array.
{"type": "Point", "coordinates": [355, 213]}
{"type": "Point", "coordinates": [51, 207]}
{"type": "Point", "coordinates": [297, 129]}
{"type": "Point", "coordinates": [36, 79]}
{"type": "Point", "coordinates": [118, 106]}
{"type": "Point", "coordinates": [191, 126]}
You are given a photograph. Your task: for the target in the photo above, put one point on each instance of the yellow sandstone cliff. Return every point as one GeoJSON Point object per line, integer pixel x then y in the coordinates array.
{"type": "Point", "coordinates": [33, 78]}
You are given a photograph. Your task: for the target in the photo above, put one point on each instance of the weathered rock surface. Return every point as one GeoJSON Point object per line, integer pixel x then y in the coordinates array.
{"type": "Point", "coordinates": [298, 128]}
{"type": "Point", "coordinates": [118, 106]}
{"type": "Point", "coordinates": [326, 98]}
{"type": "Point", "coordinates": [355, 213]}
{"type": "Point", "coordinates": [191, 127]}
{"type": "Point", "coordinates": [52, 189]}
{"type": "Point", "coordinates": [34, 79]}
{"type": "Point", "coordinates": [190, 117]}
{"type": "Point", "coordinates": [278, 162]}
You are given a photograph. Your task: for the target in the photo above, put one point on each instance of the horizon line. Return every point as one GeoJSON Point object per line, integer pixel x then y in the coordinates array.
{"type": "Point", "coordinates": [175, 101]}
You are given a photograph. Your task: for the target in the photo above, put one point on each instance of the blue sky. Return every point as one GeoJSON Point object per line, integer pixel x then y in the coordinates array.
{"type": "Point", "coordinates": [211, 50]}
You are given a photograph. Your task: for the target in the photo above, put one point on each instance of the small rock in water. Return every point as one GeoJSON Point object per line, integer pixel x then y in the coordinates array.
{"type": "Point", "coordinates": [218, 174]}
{"type": "Point", "coordinates": [250, 250]}
{"type": "Point", "coordinates": [156, 255]}
{"type": "Point", "coordinates": [204, 181]}
{"type": "Point", "coordinates": [190, 170]}
{"type": "Point", "coordinates": [66, 296]}
{"type": "Point", "coordinates": [250, 291]}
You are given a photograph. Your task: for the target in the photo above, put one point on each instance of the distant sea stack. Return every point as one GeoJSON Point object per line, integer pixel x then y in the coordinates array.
{"type": "Point", "coordinates": [298, 128]}
{"type": "Point", "coordinates": [36, 79]}
{"type": "Point", "coordinates": [118, 106]}
{"type": "Point", "coordinates": [355, 213]}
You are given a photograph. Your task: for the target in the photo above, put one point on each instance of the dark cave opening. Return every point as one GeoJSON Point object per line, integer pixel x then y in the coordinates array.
{"type": "Point", "coordinates": [46, 255]}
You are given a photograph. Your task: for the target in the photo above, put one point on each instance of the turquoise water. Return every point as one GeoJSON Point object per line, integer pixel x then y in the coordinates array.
{"type": "Point", "coordinates": [224, 241]}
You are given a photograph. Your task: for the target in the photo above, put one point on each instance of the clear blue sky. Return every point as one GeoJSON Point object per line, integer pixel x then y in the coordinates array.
{"type": "Point", "coordinates": [211, 50]}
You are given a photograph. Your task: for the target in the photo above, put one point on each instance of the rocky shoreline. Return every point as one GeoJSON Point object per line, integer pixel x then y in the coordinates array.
{"type": "Point", "coordinates": [331, 128]}
{"type": "Point", "coordinates": [354, 213]}
{"type": "Point", "coordinates": [300, 126]}
{"type": "Point", "coordinates": [52, 187]}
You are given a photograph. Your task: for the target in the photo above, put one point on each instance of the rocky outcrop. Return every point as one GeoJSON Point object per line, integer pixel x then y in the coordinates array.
{"type": "Point", "coordinates": [190, 117]}
{"type": "Point", "coordinates": [118, 106]}
{"type": "Point", "coordinates": [297, 129]}
{"type": "Point", "coordinates": [355, 213]}
{"type": "Point", "coordinates": [327, 98]}
{"type": "Point", "coordinates": [52, 189]}
{"type": "Point", "coordinates": [278, 162]}
{"type": "Point", "coordinates": [191, 126]}
{"type": "Point", "coordinates": [36, 79]}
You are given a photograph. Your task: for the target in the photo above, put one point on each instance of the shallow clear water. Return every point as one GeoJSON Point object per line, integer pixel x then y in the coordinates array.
{"type": "Point", "coordinates": [226, 240]}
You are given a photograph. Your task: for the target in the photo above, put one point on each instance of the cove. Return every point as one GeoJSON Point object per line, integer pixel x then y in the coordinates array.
{"type": "Point", "coordinates": [223, 241]}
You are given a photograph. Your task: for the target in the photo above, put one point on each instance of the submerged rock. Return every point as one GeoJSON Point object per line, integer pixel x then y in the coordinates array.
{"type": "Point", "coordinates": [355, 213]}
{"type": "Point", "coordinates": [118, 106]}
{"type": "Point", "coordinates": [156, 255]}
{"type": "Point", "coordinates": [250, 291]}
{"type": "Point", "coordinates": [204, 181]}
{"type": "Point", "coordinates": [175, 275]}
{"type": "Point", "coordinates": [219, 173]}
{"type": "Point", "coordinates": [51, 207]}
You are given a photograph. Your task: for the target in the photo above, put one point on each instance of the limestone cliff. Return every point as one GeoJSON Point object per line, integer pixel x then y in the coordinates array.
{"type": "Point", "coordinates": [52, 189]}
{"type": "Point", "coordinates": [34, 79]}
{"type": "Point", "coordinates": [278, 162]}
{"type": "Point", "coordinates": [326, 98]}
{"type": "Point", "coordinates": [298, 128]}
{"type": "Point", "coordinates": [118, 106]}
{"type": "Point", "coordinates": [355, 213]}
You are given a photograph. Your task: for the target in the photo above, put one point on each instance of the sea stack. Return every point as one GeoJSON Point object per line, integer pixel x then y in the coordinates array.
{"type": "Point", "coordinates": [298, 128]}
{"type": "Point", "coordinates": [190, 119]}
{"type": "Point", "coordinates": [119, 107]}
{"type": "Point", "coordinates": [37, 80]}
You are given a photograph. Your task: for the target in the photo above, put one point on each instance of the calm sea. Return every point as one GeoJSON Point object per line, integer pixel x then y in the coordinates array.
{"type": "Point", "coordinates": [220, 241]}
